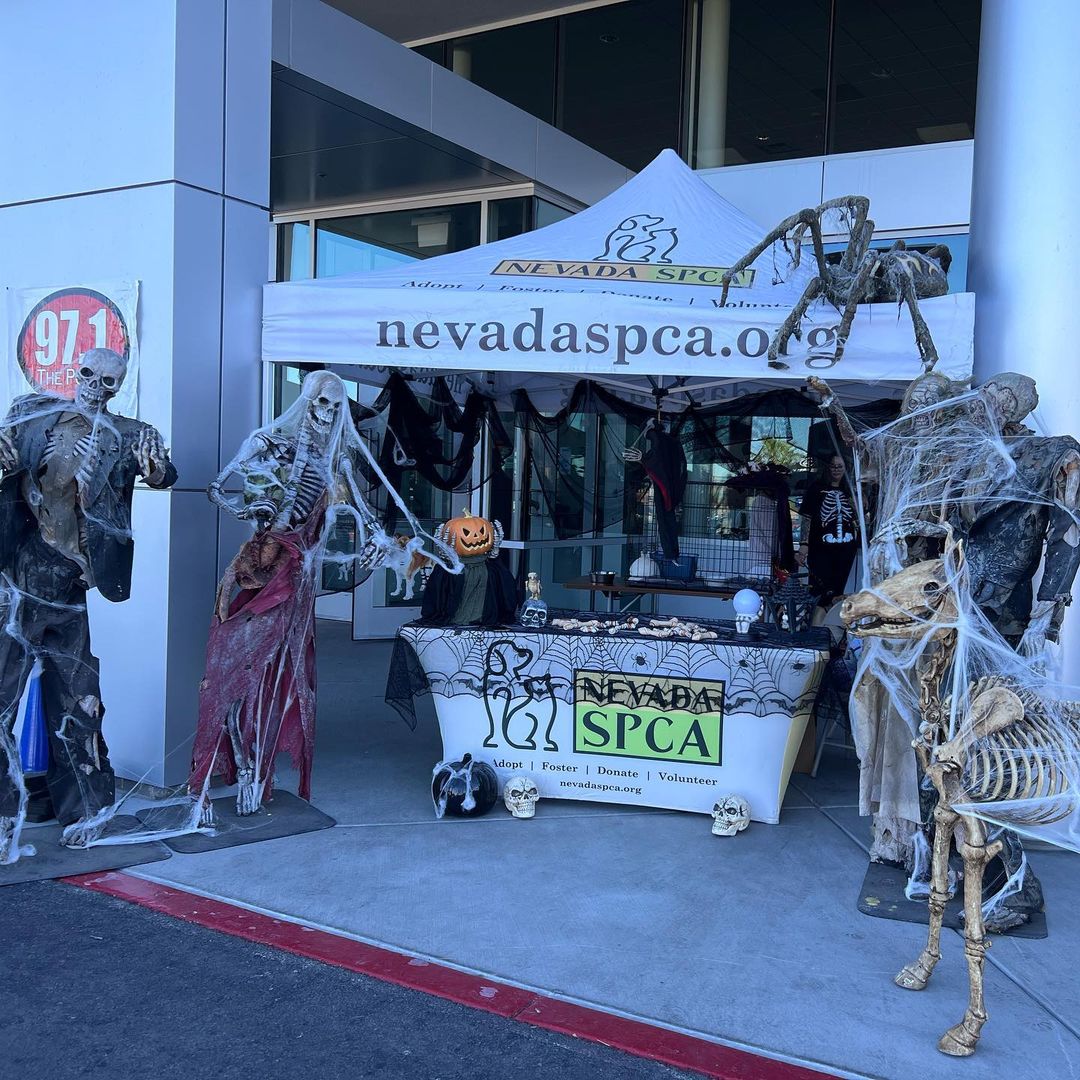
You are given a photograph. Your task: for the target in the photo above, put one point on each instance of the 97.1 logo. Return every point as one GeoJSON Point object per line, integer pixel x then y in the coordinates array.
{"type": "Point", "coordinates": [60, 328]}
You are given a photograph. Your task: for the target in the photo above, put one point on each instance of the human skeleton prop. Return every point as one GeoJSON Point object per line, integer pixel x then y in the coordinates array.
{"type": "Point", "coordinates": [69, 469]}
{"type": "Point", "coordinates": [298, 475]}
{"type": "Point", "coordinates": [996, 749]}
{"type": "Point", "coordinates": [863, 275]}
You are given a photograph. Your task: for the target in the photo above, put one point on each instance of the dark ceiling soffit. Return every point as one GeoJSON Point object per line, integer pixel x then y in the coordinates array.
{"type": "Point", "coordinates": [395, 124]}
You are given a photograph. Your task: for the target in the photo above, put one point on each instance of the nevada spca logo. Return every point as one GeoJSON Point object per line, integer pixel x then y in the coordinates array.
{"type": "Point", "coordinates": [638, 249]}
{"type": "Point", "coordinates": [639, 238]}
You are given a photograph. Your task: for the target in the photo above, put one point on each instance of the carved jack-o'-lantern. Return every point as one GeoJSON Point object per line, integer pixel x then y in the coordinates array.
{"type": "Point", "coordinates": [471, 535]}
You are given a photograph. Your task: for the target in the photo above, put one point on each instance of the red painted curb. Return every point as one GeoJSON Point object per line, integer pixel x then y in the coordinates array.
{"type": "Point", "coordinates": [475, 991]}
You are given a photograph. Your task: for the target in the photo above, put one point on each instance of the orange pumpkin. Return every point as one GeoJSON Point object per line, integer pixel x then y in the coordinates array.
{"type": "Point", "coordinates": [471, 535]}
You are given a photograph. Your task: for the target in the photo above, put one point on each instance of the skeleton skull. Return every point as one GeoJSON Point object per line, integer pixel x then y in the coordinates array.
{"type": "Point", "coordinates": [326, 398]}
{"type": "Point", "coordinates": [1010, 397]}
{"type": "Point", "coordinates": [521, 796]}
{"type": "Point", "coordinates": [923, 393]}
{"type": "Point", "coordinates": [730, 815]}
{"type": "Point", "coordinates": [534, 614]}
{"type": "Point", "coordinates": [99, 376]}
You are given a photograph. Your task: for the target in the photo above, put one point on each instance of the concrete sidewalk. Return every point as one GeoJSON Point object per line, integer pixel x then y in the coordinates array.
{"type": "Point", "coordinates": [754, 941]}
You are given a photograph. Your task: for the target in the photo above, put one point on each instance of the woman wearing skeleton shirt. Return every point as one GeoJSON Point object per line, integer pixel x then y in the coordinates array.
{"type": "Point", "coordinates": [832, 539]}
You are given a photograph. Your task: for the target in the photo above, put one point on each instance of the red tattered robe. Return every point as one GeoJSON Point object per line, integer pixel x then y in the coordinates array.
{"type": "Point", "coordinates": [263, 655]}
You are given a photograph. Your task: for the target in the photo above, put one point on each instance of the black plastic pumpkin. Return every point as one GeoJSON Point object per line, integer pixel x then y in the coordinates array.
{"type": "Point", "coordinates": [465, 788]}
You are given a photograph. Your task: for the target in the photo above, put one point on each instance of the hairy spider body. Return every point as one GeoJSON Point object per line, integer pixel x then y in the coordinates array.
{"type": "Point", "coordinates": [862, 276]}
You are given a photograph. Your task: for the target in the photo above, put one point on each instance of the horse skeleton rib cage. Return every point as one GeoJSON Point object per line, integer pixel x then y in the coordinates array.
{"type": "Point", "coordinates": [299, 476]}
{"type": "Point", "coordinates": [862, 276]}
{"type": "Point", "coordinates": [1002, 748]}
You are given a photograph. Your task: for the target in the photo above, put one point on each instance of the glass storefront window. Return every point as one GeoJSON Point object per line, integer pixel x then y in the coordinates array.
{"type": "Point", "coordinates": [730, 81]}
{"type": "Point", "coordinates": [904, 74]}
{"type": "Point", "coordinates": [620, 78]}
{"type": "Point", "coordinates": [760, 77]}
{"type": "Point", "coordinates": [512, 217]}
{"type": "Point", "coordinates": [547, 213]}
{"type": "Point", "coordinates": [509, 217]}
{"type": "Point", "coordinates": [349, 245]}
{"type": "Point", "coordinates": [515, 63]}
{"type": "Point", "coordinates": [293, 251]}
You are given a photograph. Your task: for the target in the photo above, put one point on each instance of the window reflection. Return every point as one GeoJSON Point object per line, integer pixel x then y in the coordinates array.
{"type": "Point", "coordinates": [294, 251]}
{"type": "Point", "coordinates": [620, 78]}
{"type": "Point", "coordinates": [516, 63]}
{"type": "Point", "coordinates": [760, 81]}
{"type": "Point", "coordinates": [348, 245]}
{"type": "Point", "coordinates": [905, 73]}
{"type": "Point", "coordinates": [732, 81]}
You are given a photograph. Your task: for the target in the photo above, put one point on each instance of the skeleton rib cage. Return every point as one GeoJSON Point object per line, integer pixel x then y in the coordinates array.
{"type": "Point", "coordinates": [1032, 760]}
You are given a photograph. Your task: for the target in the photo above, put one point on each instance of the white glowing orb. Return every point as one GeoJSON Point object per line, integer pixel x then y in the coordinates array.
{"type": "Point", "coordinates": [746, 602]}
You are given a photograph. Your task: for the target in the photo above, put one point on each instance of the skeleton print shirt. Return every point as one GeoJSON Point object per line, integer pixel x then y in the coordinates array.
{"type": "Point", "coordinates": [832, 515]}
{"type": "Point", "coordinates": [833, 538]}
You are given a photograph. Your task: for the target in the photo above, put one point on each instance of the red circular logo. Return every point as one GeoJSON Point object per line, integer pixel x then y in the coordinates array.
{"type": "Point", "coordinates": [62, 327]}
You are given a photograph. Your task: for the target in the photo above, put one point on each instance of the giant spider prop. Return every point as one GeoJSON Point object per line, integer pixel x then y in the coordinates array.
{"type": "Point", "coordinates": [862, 276]}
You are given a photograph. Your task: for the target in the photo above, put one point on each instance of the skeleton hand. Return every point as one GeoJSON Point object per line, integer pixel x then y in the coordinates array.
{"type": "Point", "coordinates": [819, 386]}
{"type": "Point", "coordinates": [151, 454]}
{"type": "Point", "coordinates": [631, 453]}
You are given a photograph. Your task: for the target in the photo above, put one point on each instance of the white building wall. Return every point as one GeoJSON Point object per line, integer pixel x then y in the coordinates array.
{"type": "Point", "coordinates": [911, 189]}
{"type": "Point", "coordinates": [141, 151]}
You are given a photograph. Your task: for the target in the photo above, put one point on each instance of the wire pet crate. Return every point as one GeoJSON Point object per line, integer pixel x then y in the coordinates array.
{"type": "Point", "coordinates": [728, 539]}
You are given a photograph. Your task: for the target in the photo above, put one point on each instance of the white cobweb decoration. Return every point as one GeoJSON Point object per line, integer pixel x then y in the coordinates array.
{"type": "Point", "coordinates": [262, 484]}
{"type": "Point", "coordinates": [949, 463]}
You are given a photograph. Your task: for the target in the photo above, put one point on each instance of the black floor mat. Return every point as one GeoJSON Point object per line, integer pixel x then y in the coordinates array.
{"type": "Point", "coordinates": [882, 896]}
{"type": "Point", "coordinates": [283, 815]}
{"type": "Point", "coordinates": [52, 860]}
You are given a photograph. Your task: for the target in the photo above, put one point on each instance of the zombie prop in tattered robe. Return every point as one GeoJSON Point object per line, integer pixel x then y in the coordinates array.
{"type": "Point", "coordinates": [258, 694]}
{"type": "Point", "coordinates": [65, 528]}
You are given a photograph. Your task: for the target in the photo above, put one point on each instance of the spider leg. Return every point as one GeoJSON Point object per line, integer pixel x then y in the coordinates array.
{"type": "Point", "coordinates": [858, 206]}
{"type": "Point", "coordinates": [790, 326]}
{"type": "Point", "coordinates": [927, 350]}
{"type": "Point", "coordinates": [856, 292]}
{"type": "Point", "coordinates": [803, 217]}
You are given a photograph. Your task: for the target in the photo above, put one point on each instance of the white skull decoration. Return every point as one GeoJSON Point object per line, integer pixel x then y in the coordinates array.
{"type": "Point", "coordinates": [730, 815]}
{"type": "Point", "coordinates": [326, 397]}
{"type": "Point", "coordinates": [521, 796]}
{"type": "Point", "coordinates": [99, 376]}
{"type": "Point", "coordinates": [534, 614]}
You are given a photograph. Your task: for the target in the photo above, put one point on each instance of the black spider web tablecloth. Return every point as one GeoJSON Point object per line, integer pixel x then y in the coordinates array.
{"type": "Point", "coordinates": [765, 671]}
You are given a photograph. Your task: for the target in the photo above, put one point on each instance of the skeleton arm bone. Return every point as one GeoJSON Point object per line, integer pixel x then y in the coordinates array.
{"type": "Point", "coordinates": [259, 458]}
{"type": "Point", "coordinates": [830, 405]}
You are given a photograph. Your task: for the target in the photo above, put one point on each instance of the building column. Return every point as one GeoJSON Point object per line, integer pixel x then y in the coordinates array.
{"type": "Point", "coordinates": [710, 131]}
{"type": "Point", "coordinates": [1025, 215]}
{"type": "Point", "coordinates": [144, 156]}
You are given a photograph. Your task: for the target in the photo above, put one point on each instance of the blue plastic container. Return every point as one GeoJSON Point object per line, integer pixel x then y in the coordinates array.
{"type": "Point", "coordinates": [34, 740]}
{"type": "Point", "coordinates": [682, 569]}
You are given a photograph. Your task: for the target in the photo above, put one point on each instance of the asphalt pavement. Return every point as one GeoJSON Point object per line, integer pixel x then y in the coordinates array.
{"type": "Point", "coordinates": [92, 986]}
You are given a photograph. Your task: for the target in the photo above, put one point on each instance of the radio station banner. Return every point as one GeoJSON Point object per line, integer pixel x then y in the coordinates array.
{"type": "Point", "coordinates": [649, 723]}
{"type": "Point", "coordinates": [48, 328]}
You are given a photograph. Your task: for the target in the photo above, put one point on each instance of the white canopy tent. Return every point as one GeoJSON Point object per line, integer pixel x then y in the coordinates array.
{"type": "Point", "coordinates": [626, 288]}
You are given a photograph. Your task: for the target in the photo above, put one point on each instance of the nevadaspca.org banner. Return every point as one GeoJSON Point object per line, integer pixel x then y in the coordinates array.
{"type": "Point", "coordinates": [525, 327]}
